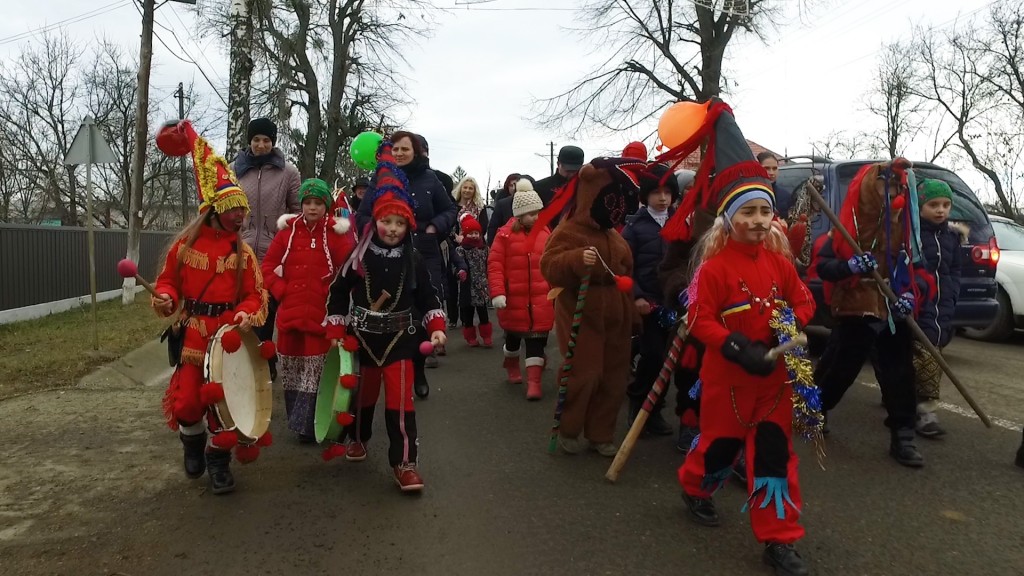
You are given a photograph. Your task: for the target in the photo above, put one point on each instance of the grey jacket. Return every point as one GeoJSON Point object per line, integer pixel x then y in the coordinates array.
{"type": "Point", "coordinates": [272, 186]}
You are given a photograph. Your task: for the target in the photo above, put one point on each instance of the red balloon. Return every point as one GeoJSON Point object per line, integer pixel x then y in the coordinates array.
{"type": "Point", "coordinates": [681, 121]}
{"type": "Point", "coordinates": [127, 269]}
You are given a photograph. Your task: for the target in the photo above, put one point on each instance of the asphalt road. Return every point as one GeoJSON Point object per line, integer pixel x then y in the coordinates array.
{"type": "Point", "coordinates": [91, 484]}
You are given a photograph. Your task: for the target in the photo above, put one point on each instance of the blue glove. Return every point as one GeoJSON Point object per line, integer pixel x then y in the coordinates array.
{"type": "Point", "coordinates": [903, 306]}
{"type": "Point", "coordinates": [862, 264]}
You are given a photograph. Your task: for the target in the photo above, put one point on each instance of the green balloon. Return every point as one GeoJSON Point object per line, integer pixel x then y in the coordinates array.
{"type": "Point", "coordinates": [364, 150]}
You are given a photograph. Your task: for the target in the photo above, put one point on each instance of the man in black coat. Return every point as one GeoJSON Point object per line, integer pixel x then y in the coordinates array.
{"type": "Point", "coordinates": [570, 160]}
{"type": "Point", "coordinates": [358, 191]}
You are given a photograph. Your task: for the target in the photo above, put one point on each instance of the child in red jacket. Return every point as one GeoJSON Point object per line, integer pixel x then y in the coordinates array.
{"type": "Point", "coordinates": [519, 291]}
{"type": "Point", "coordinates": [214, 277]}
{"type": "Point", "coordinates": [300, 265]}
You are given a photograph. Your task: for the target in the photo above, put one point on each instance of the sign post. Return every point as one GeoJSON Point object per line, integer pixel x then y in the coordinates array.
{"type": "Point", "coordinates": [90, 148]}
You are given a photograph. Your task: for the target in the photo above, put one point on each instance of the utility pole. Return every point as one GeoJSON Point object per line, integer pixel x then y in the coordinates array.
{"type": "Point", "coordinates": [180, 95]}
{"type": "Point", "coordinates": [240, 75]}
{"type": "Point", "coordinates": [141, 140]}
{"type": "Point", "coordinates": [550, 156]}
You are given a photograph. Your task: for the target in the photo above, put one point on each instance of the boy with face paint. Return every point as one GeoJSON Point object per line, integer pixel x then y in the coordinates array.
{"type": "Point", "coordinates": [743, 277]}
{"type": "Point", "coordinates": [215, 278]}
{"type": "Point", "coordinates": [387, 284]}
{"type": "Point", "coordinates": [299, 267]}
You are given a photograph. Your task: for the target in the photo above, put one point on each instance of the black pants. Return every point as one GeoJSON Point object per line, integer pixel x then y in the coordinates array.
{"type": "Point", "coordinates": [851, 343]}
{"type": "Point", "coordinates": [535, 345]}
{"type": "Point", "coordinates": [467, 315]}
{"type": "Point", "coordinates": [453, 301]}
{"type": "Point", "coordinates": [266, 332]}
{"type": "Point", "coordinates": [654, 344]}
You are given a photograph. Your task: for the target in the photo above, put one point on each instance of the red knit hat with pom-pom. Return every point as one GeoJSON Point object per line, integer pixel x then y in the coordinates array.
{"type": "Point", "coordinates": [390, 192]}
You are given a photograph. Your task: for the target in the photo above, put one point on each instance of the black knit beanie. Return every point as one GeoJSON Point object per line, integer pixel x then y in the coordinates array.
{"type": "Point", "coordinates": [262, 127]}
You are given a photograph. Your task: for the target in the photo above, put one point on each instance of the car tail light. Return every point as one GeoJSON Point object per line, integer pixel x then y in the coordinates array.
{"type": "Point", "coordinates": [986, 254]}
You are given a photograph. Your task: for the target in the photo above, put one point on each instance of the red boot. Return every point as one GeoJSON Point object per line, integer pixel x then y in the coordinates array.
{"type": "Point", "coordinates": [486, 331]}
{"type": "Point", "coordinates": [511, 365]}
{"type": "Point", "coordinates": [534, 371]}
{"type": "Point", "coordinates": [469, 333]}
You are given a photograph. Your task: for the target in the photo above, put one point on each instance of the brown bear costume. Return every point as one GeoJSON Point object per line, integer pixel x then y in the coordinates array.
{"type": "Point", "coordinates": [596, 203]}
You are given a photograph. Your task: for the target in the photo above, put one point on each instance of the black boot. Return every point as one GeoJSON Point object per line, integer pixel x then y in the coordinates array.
{"type": "Point", "coordinates": [785, 560]}
{"type": "Point", "coordinates": [195, 454]}
{"type": "Point", "coordinates": [903, 450]}
{"type": "Point", "coordinates": [218, 463]}
{"type": "Point", "coordinates": [420, 385]}
{"type": "Point", "coordinates": [702, 510]}
{"type": "Point", "coordinates": [1020, 455]}
{"type": "Point", "coordinates": [656, 424]}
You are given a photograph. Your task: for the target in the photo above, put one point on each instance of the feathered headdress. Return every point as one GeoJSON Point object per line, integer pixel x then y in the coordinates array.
{"type": "Point", "coordinates": [215, 180]}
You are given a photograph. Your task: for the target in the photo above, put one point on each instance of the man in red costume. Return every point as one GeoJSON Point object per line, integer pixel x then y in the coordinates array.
{"type": "Point", "coordinates": [744, 283]}
{"type": "Point", "coordinates": [214, 277]}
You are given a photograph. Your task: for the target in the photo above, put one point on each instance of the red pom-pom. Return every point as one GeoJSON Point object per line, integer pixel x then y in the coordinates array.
{"type": "Point", "coordinates": [225, 440]}
{"type": "Point", "coordinates": [231, 341]}
{"type": "Point", "coordinates": [246, 453]}
{"type": "Point", "coordinates": [211, 393]}
{"type": "Point", "coordinates": [624, 283]}
{"type": "Point", "coordinates": [127, 269]}
{"type": "Point", "coordinates": [350, 344]}
{"type": "Point", "coordinates": [426, 348]}
{"type": "Point", "coordinates": [899, 202]}
{"type": "Point", "coordinates": [267, 350]}
{"type": "Point", "coordinates": [349, 381]}
{"type": "Point", "coordinates": [345, 419]}
{"type": "Point", "coordinates": [334, 451]}
{"type": "Point", "coordinates": [266, 440]}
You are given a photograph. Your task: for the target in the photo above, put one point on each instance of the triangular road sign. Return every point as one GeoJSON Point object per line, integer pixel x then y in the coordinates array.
{"type": "Point", "coordinates": [82, 153]}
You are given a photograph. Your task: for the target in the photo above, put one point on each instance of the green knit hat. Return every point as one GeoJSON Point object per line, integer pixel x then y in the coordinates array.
{"type": "Point", "coordinates": [930, 189]}
{"type": "Point", "coordinates": [316, 188]}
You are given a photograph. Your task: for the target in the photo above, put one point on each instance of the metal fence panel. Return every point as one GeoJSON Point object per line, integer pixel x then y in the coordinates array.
{"type": "Point", "coordinates": [40, 264]}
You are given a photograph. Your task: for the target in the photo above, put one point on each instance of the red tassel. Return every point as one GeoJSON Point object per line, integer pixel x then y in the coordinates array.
{"type": "Point", "coordinates": [345, 419]}
{"type": "Point", "coordinates": [350, 344]}
{"type": "Point", "coordinates": [211, 393]}
{"type": "Point", "coordinates": [624, 284]}
{"type": "Point", "coordinates": [349, 381]}
{"type": "Point", "coordinates": [231, 341]}
{"type": "Point", "coordinates": [246, 453]}
{"type": "Point", "coordinates": [225, 440]}
{"type": "Point", "coordinates": [267, 350]}
{"type": "Point", "coordinates": [266, 440]}
{"type": "Point", "coordinates": [334, 451]}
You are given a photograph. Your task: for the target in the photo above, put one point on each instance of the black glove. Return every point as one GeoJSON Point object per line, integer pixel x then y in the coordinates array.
{"type": "Point", "coordinates": [749, 355]}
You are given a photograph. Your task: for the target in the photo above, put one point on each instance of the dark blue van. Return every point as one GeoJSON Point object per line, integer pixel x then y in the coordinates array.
{"type": "Point", "coordinates": [977, 307]}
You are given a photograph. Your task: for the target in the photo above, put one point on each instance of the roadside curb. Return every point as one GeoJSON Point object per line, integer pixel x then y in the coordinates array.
{"type": "Point", "coordinates": [144, 366]}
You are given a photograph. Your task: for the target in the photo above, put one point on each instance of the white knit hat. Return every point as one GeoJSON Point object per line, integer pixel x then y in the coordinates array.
{"type": "Point", "coordinates": [525, 201]}
{"type": "Point", "coordinates": [523, 184]}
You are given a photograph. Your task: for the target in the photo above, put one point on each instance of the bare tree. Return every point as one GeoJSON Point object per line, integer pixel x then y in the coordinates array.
{"type": "Point", "coordinates": [952, 77]}
{"type": "Point", "coordinates": [240, 76]}
{"type": "Point", "coordinates": [893, 100]}
{"type": "Point", "coordinates": [663, 51]}
{"type": "Point", "coordinates": [845, 145]}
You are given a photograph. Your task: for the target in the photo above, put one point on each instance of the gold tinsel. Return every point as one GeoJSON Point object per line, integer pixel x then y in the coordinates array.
{"type": "Point", "coordinates": [807, 421]}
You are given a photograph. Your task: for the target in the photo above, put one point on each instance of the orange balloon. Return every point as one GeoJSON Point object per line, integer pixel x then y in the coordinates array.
{"type": "Point", "coordinates": [681, 121]}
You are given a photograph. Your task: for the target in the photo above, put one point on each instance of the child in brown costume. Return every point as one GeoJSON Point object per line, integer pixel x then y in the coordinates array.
{"type": "Point", "coordinates": [586, 243]}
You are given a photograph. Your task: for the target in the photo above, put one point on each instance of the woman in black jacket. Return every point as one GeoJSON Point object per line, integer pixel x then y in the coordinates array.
{"type": "Point", "coordinates": [435, 216]}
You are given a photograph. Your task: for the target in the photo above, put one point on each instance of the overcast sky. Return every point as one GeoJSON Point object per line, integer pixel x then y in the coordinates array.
{"type": "Point", "coordinates": [474, 79]}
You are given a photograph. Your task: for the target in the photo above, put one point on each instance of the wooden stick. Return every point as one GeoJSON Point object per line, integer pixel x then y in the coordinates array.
{"type": "Point", "coordinates": [671, 361]}
{"type": "Point", "coordinates": [146, 285]}
{"type": "Point", "coordinates": [376, 306]}
{"type": "Point", "coordinates": [798, 340]}
{"type": "Point", "coordinates": [911, 323]}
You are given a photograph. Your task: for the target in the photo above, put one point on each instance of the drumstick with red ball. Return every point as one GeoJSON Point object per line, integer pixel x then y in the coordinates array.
{"type": "Point", "coordinates": [128, 269]}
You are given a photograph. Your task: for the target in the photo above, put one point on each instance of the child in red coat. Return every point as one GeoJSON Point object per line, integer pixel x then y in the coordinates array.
{"type": "Point", "coordinates": [300, 265]}
{"type": "Point", "coordinates": [214, 277]}
{"type": "Point", "coordinates": [519, 291]}
{"type": "Point", "coordinates": [744, 298]}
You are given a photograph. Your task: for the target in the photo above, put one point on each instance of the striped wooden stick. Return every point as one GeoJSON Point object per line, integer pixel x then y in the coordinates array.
{"type": "Point", "coordinates": [563, 381]}
{"type": "Point", "coordinates": [671, 361]}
